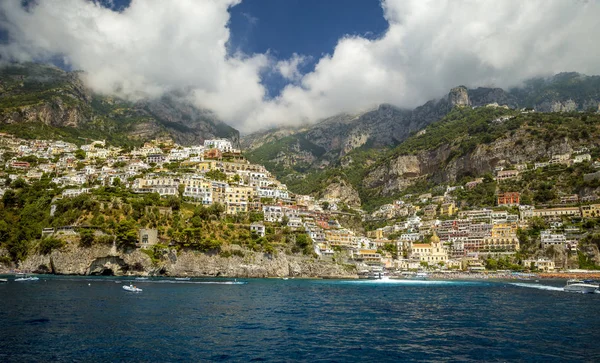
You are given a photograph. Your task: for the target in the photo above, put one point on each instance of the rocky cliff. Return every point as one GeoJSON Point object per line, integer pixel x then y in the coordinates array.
{"type": "Point", "coordinates": [33, 94]}
{"type": "Point", "coordinates": [102, 260]}
{"type": "Point", "coordinates": [528, 139]}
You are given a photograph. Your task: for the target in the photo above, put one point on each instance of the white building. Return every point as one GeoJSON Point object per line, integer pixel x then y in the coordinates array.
{"type": "Point", "coordinates": [258, 228]}
{"type": "Point", "coordinates": [220, 144]}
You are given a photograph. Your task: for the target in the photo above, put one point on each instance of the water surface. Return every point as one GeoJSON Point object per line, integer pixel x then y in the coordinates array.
{"type": "Point", "coordinates": [94, 319]}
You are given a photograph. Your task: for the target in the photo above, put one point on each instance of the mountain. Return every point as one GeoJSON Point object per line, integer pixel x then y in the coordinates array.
{"type": "Point", "coordinates": [375, 153]}
{"type": "Point", "coordinates": [44, 100]}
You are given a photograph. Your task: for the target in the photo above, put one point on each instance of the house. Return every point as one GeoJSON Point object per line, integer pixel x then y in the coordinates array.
{"type": "Point", "coordinates": [219, 144]}
{"type": "Point", "coordinates": [508, 199]}
{"type": "Point", "coordinates": [541, 264]}
{"type": "Point", "coordinates": [215, 154]}
{"type": "Point", "coordinates": [147, 237]}
{"type": "Point", "coordinates": [448, 209]}
{"type": "Point", "coordinates": [569, 199]}
{"type": "Point", "coordinates": [474, 183]}
{"type": "Point", "coordinates": [590, 211]}
{"type": "Point", "coordinates": [507, 174]}
{"type": "Point", "coordinates": [258, 228]}
{"type": "Point", "coordinates": [581, 158]}
{"type": "Point", "coordinates": [548, 238]}
{"type": "Point", "coordinates": [155, 158]}
{"type": "Point", "coordinates": [557, 212]}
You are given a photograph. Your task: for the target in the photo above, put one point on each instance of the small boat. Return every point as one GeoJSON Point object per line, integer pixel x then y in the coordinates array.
{"type": "Point", "coordinates": [141, 278]}
{"type": "Point", "coordinates": [582, 287]}
{"type": "Point", "coordinates": [421, 276]}
{"type": "Point", "coordinates": [131, 288]}
{"type": "Point", "coordinates": [3, 280]}
{"type": "Point", "coordinates": [284, 278]}
{"type": "Point", "coordinates": [25, 277]}
{"type": "Point", "coordinates": [182, 279]}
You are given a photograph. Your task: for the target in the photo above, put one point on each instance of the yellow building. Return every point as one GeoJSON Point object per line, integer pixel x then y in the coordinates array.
{"type": "Point", "coordinates": [377, 234]}
{"type": "Point", "coordinates": [236, 199]}
{"type": "Point", "coordinates": [590, 211]}
{"type": "Point", "coordinates": [433, 253]}
{"type": "Point", "coordinates": [448, 209]}
{"type": "Point", "coordinates": [206, 165]}
{"type": "Point", "coordinates": [340, 238]}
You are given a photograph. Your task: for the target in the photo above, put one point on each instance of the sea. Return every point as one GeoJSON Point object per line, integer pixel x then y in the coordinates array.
{"type": "Point", "coordinates": [84, 319]}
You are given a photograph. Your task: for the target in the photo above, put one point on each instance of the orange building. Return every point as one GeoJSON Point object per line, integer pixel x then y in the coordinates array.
{"type": "Point", "coordinates": [508, 198]}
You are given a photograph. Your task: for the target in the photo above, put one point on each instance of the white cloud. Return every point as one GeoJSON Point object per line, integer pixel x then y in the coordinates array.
{"type": "Point", "coordinates": [430, 46]}
{"type": "Point", "coordinates": [289, 68]}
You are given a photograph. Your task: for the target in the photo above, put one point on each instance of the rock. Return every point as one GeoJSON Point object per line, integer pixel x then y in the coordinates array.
{"type": "Point", "coordinates": [75, 260]}
{"type": "Point", "coordinates": [342, 191]}
{"type": "Point", "coordinates": [459, 96]}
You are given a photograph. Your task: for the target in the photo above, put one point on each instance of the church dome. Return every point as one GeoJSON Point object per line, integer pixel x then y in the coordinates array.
{"type": "Point", "coordinates": [435, 238]}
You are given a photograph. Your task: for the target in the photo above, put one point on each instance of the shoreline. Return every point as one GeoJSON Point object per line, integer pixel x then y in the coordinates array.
{"type": "Point", "coordinates": [431, 276]}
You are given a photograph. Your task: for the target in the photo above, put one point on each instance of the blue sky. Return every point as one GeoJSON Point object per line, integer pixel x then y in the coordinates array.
{"type": "Point", "coordinates": [265, 63]}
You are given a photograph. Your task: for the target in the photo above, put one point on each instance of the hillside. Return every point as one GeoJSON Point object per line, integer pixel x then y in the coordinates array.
{"type": "Point", "coordinates": [362, 147]}
{"type": "Point", "coordinates": [38, 100]}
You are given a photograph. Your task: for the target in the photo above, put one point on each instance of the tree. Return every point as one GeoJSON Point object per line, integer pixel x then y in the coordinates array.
{"type": "Point", "coordinates": [80, 154]}
{"type": "Point", "coordinates": [126, 234]}
{"type": "Point", "coordinates": [86, 238]}
{"type": "Point", "coordinates": [325, 205]}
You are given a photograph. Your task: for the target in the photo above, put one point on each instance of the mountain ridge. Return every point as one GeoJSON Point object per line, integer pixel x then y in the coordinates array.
{"type": "Point", "coordinates": [37, 97]}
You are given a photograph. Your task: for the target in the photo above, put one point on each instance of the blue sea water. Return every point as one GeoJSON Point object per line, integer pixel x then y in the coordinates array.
{"type": "Point", "coordinates": [62, 319]}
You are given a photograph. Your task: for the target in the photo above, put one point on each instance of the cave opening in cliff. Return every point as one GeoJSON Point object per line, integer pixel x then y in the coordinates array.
{"type": "Point", "coordinates": [107, 272]}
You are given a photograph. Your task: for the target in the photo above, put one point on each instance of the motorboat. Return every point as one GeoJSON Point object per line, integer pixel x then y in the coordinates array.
{"type": "Point", "coordinates": [421, 276]}
{"type": "Point", "coordinates": [580, 286]}
{"type": "Point", "coordinates": [25, 277]}
{"type": "Point", "coordinates": [141, 278]}
{"type": "Point", "coordinates": [3, 280]}
{"type": "Point", "coordinates": [182, 279]}
{"type": "Point", "coordinates": [131, 288]}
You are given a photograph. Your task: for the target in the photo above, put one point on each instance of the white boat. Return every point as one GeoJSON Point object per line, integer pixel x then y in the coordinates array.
{"type": "Point", "coordinates": [141, 278]}
{"type": "Point", "coordinates": [182, 279]}
{"type": "Point", "coordinates": [131, 288]}
{"type": "Point", "coordinates": [24, 277]}
{"type": "Point", "coordinates": [3, 280]}
{"type": "Point", "coordinates": [421, 276]}
{"type": "Point", "coordinates": [582, 287]}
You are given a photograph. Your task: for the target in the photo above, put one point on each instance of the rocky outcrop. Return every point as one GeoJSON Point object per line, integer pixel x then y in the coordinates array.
{"type": "Point", "coordinates": [404, 170]}
{"type": "Point", "coordinates": [98, 260]}
{"type": "Point", "coordinates": [342, 191]}
{"type": "Point", "coordinates": [459, 96]}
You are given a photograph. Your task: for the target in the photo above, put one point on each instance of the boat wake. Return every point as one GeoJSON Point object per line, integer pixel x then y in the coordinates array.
{"type": "Point", "coordinates": [410, 282]}
{"type": "Point", "coordinates": [538, 286]}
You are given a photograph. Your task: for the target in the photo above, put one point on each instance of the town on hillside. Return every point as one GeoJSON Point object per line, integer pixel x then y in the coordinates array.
{"type": "Point", "coordinates": [429, 231]}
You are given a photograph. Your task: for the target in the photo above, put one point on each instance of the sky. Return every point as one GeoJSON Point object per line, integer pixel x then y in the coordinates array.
{"type": "Point", "coordinates": [265, 63]}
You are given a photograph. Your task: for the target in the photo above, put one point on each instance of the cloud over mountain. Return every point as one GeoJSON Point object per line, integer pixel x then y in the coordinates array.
{"type": "Point", "coordinates": [152, 47]}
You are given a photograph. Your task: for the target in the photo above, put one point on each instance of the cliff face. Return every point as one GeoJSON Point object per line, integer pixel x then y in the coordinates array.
{"type": "Point", "coordinates": [342, 191]}
{"type": "Point", "coordinates": [404, 170]}
{"type": "Point", "coordinates": [100, 260]}
{"type": "Point", "coordinates": [33, 93]}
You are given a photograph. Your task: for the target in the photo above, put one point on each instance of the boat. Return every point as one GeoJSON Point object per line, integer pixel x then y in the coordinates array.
{"type": "Point", "coordinates": [3, 280]}
{"type": "Point", "coordinates": [131, 288]}
{"type": "Point", "coordinates": [25, 277]}
{"type": "Point", "coordinates": [182, 279]}
{"type": "Point", "coordinates": [421, 276]}
{"type": "Point", "coordinates": [141, 278]}
{"type": "Point", "coordinates": [580, 286]}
